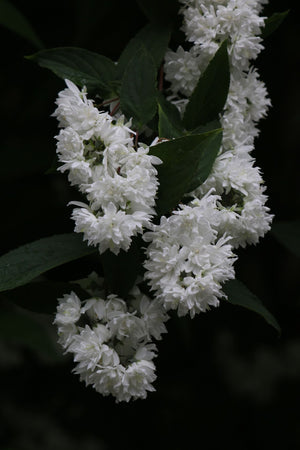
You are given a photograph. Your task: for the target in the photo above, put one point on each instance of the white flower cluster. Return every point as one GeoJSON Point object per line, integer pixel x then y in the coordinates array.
{"type": "Point", "coordinates": [187, 259]}
{"type": "Point", "coordinates": [111, 341]}
{"type": "Point", "coordinates": [189, 254]}
{"type": "Point", "coordinates": [207, 23]}
{"type": "Point", "coordinates": [118, 180]}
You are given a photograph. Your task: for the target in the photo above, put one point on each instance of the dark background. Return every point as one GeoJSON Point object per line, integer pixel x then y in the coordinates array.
{"type": "Point", "coordinates": [225, 379]}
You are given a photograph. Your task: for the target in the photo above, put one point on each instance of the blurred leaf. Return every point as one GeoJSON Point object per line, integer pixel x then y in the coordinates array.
{"type": "Point", "coordinates": [187, 162]}
{"type": "Point", "coordinates": [25, 263]}
{"type": "Point", "coordinates": [13, 19]}
{"type": "Point", "coordinates": [138, 91]}
{"type": "Point", "coordinates": [121, 271]}
{"type": "Point", "coordinates": [169, 122]}
{"type": "Point", "coordinates": [29, 331]}
{"type": "Point", "coordinates": [163, 12]}
{"type": "Point", "coordinates": [273, 22]}
{"type": "Point", "coordinates": [288, 234]}
{"type": "Point", "coordinates": [154, 38]}
{"type": "Point", "coordinates": [81, 66]}
{"type": "Point", "coordinates": [239, 294]}
{"type": "Point", "coordinates": [210, 94]}
{"type": "Point", "coordinates": [41, 296]}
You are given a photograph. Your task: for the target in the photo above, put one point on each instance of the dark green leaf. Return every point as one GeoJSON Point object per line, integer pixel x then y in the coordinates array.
{"type": "Point", "coordinates": [121, 271]}
{"type": "Point", "coordinates": [169, 122]}
{"type": "Point", "coordinates": [187, 162]}
{"type": "Point", "coordinates": [239, 294]}
{"type": "Point", "coordinates": [25, 263]}
{"type": "Point", "coordinates": [213, 125]}
{"type": "Point", "coordinates": [41, 296]}
{"type": "Point", "coordinates": [30, 331]}
{"type": "Point", "coordinates": [13, 19]}
{"type": "Point", "coordinates": [138, 91]}
{"type": "Point", "coordinates": [273, 22]}
{"type": "Point", "coordinates": [210, 94]}
{"type": "Point", "coordinates": [81, 66]}
{"type": "Point", "coordinates": [154, 38]}
{"type": "Point", "coordinates": [163, 12]}
{"type": "Point", "coordinates": [288, 234]}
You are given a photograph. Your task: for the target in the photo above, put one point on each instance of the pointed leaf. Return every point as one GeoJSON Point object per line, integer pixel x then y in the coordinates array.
{"type": "Point", "coordinates": [154, 38]}
{"type": "Point", "coordinates": [187, 162]}
{"type": "Point", "coordinates": [81, 66]}
{"type": "Point", "coordinates": [25, 263]}
{"type": "Point", "coordinates": [210, 94]}
{"type": "Point", "coordinates": [288, 234]}
{"type": "Point", "coordinates": [239, 294]}
{"type": "Point", "coordinates": [121, 271]}
{"type": "Point", "coordinates": [138, 91]}
{"type": "Point", "coordinates": [273, 22]}
{"type": "Point", "coordinates": [169, 121]}
{"type": "Point", "coordinates": [13, 19]}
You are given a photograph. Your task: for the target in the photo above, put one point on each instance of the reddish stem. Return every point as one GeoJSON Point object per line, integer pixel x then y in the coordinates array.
{"type": "Point", "coordinates": [115, 109]}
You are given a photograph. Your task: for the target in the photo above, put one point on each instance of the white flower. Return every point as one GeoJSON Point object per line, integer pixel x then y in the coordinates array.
{"type": "Point", "coordinates": [66, 333]}
{"type": "Point", "coordinates": [115, 307]}
{"type": "Point", "coordinates": [137, 381]}
{"type": "Point", "coordinates": [154, 316]}
{"type": "Point", "coordinates": [182, 70]}
{"type": "Point", "coordinates": [76, 111]}
{"type": "Point", "coordinates": [90, 351]}
{"type": "Point", "coordinates": [68, 309]}
{"type": "Point", "coordinates": [128, 325]}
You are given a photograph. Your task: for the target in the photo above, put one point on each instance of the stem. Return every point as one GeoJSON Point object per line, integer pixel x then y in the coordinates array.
{"type": "Point", "coordinates": [115, 109]}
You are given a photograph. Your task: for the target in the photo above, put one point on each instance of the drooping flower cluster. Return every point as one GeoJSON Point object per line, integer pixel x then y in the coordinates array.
{"type": "Point", "coordinates": [187, 260]}
{"type": "Point", "coordinates": [111, 341]}
{"type": "Point", "coordinates": [118, 180]}
{"type": "Point", "coordinates": [190, 252]}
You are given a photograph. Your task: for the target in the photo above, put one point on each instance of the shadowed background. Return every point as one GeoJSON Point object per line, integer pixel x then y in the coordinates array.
{"type": "Point", "coordinates": [225, 379]}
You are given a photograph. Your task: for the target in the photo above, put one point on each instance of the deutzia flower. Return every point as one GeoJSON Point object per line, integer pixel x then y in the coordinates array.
{"type": "Point", "coordinates": [110, 341]}
{"type": "Point", "coordinates": [119, 181]}
{"type": "Point", "coordinates": [187, 261]}
{"type": "Point", "coordinates": [244, 216]}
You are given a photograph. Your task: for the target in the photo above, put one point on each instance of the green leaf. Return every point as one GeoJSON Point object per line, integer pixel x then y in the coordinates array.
{"type": "Point", "coordinates": [158, 11]}
{"type": "Point", "coordinates": [121, 271]}
{"type": "Point", "coordinates": [213, 125]}
{"type": "Point", "coordinates": [81, 66]}
{"type": "Point", "coordinates": [210, 94]}
{"type": "Point", "coordinates": [273, 22]}
{"type": "Point", "coordinates": [169, 121]}
{"type": "Point", "coordinates": [154, 38]}
{"type": "Point", "coordinates": [187, 162]}
{"type": "Point", "coordinates": [138, 91]}
{"type": "Point", "coordinates": [25, 263]}
{"type": "Point", "coordinates": [288, 234]}
{"type": "Point", "coordinates": [239, 294]}
{"type": "Point", "coordinates": [13, 19]}
{"type": "Point", "coordinates": [41, 296]}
